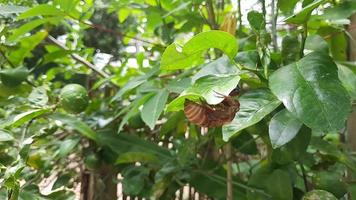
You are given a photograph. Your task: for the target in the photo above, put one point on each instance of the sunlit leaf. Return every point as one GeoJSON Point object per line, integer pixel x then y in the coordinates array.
{"type": "Point", "coordinates": [303, 15]}
{"type": "Point", "coordinates": [191, 52]}
{"type": "Point", "coordinates": [42, 9]}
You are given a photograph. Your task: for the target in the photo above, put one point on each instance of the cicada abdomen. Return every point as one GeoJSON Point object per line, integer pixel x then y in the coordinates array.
{"type": "Point", "coordinates": [205, 115]}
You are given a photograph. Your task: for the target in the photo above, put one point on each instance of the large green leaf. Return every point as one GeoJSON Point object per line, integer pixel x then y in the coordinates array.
{"type": "Point", "coordinates": [75, 124]}
{"type": "Point", "coordinates": [302, 16]}
{"type": "Point", "coordinates": [42, 9]}
{"type": "Point", "coordinates": [319, 195]}
{"type": "Point", "coordinates": [254, 106]}
{"type": "Point", "coordinates": [153, 108]}
{"type": "Point", "coordinates": [191, 52]}
{"type": "Point", "coordinates": [283, 128]}
{"type": "Point", "coordinates": [310, 90]}
{"type": "Point", "coordinates": [207, 88]}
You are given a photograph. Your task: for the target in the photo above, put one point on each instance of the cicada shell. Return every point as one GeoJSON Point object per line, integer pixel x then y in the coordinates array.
{"type": "Point", "coordinates": [206, 115]}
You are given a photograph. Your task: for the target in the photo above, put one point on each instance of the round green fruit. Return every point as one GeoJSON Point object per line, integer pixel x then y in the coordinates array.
{"type": "Point", "coordinates": [13, 77]}
{"type": "Point", "coordinates": [74, 98]}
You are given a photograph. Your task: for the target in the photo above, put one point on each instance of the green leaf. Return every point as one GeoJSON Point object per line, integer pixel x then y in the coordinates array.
{"type": "Point", "coordinates": [191, 52]}
{"type": "Point", "coordinates": [133, 83]}
{"type": "Point", "coordinates": [67, 146]}
{"type": "Point", "coordinates": [75, 124]}
{"type": "Point", "coordinates": [319, 195]}
{"type": "Point", "coordinates": [310, 90]}
{"type": "Point", "coordinates": [22, 118]}
{"type": "Point", "coordinates": [206, 88]}
{"type": "Point", "coordinates": [287, 6]}
{"type": "Point", "coordinates": [283, 128]}
{"type": "Point", "coordinates": [153, 108]}
{"type": "Point", "coordinates": [5, 136]}
{"type": "Point", "coordinates": [122, 143]}
{"type": "Point", "coordinates": [132, 157]}
{"type": "Point", "coordinates": [172, 59]}
{"type": "Point", "coordinates": [67, 5]}
{"type": "Point", "coordinates": [331, 181]}
{"type": "Point", "coordinates": [256, 20]}
{"type": "Point", "coordinates": [342, 10]}
{"type": "Point", "coordinates": [254, 106]}
{"type": "Point", "coordinates": [133, 109]}
{"type": "Point", "coordinates": [26, 28]}
{"type": "Point", "coordinates": [248, 59]}
{"type": "Point", "coordinates": [27, 44]}
{"type": "Point", "coordinates": [302, 16]}
{"type": "Point", "coordinates": [347, 75]}
{"type": "Point", "coordinates": [290, 49]}
{"type": "Point", "coordinates": [38, 96]}
{"type": "Point", "coordinates": [42, 9]}
{"type": "Point", "coordinates": [280, 185]}
{"type": "Point", "coordinates": [10, 9]}
{"type": "Point", "coordinates": [316, 43]}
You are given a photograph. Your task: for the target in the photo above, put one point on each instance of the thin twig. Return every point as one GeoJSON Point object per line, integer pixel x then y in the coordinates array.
{"type": "Point", "coordinates": [304, 38]}
{"type": "Point", "coordinates": [78, 58]}
{"type": "Point", "coordinates": [274, 16]}
{"type": "Point", "coordinates": [228, 152]}
{"type": "Point", "coordinates": [304, 177]}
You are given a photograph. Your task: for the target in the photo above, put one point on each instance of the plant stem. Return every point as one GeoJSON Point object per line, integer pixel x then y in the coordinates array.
{"type": "Point", "coordinates": [228, 152]}
{"type": "Point", "coordinates": [263, 4]}
{"type": "Point", "coordinates": [239, 13]}
{"type": "Point", "coordinates": [211, 15]}
{"type": "Point", "coordinates": [274, 16]}
{"type": "Point", "coordinates": [304, 38]}
{"type": "Point", "coordinates": [7, 59]}
{"type": "Point", "coordinates": [304, 177]}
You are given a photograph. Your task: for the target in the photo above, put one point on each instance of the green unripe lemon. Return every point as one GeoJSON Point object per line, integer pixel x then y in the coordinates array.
{"type": "Point", "coordinates": [13, 77]}
{"type": "Point", "coordinates": [74, 98]}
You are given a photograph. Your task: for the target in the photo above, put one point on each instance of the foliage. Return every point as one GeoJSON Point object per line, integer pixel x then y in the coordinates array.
{"type": "Point", "coordinates": [137, 61]}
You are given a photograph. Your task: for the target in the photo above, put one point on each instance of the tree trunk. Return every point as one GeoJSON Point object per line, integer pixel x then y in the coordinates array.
{"type": "Point", "coordinates": [351, 126]}
{"type": "Point", "coordinates": [351, 123]}
{"type": "Point", "coordinates": [99, 184]}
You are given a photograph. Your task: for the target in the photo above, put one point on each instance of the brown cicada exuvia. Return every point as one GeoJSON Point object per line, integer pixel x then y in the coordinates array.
{"type": "Point", "coordinates": [206, 115]}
